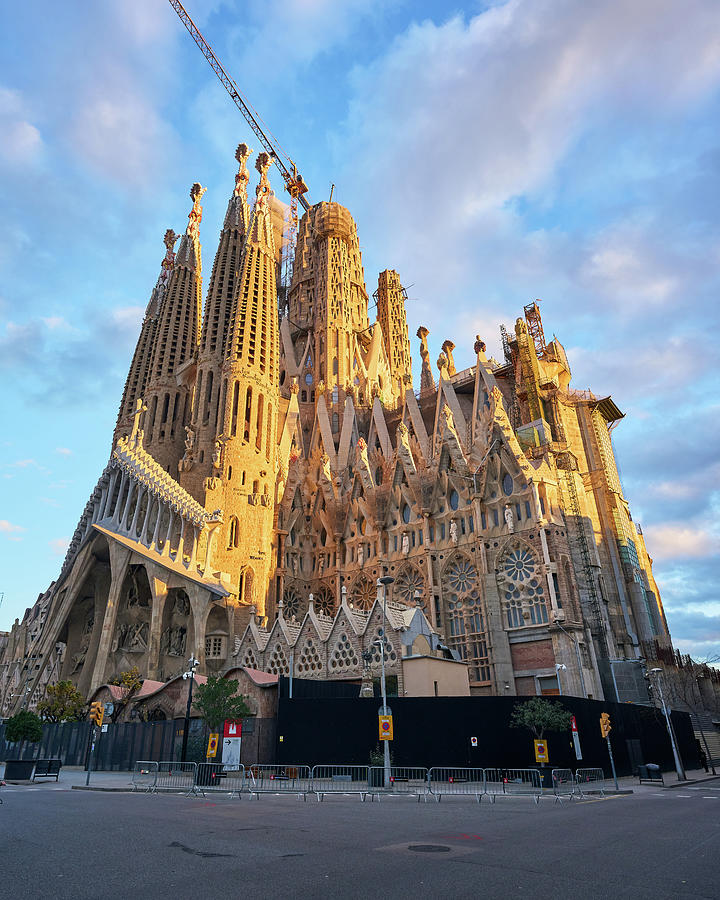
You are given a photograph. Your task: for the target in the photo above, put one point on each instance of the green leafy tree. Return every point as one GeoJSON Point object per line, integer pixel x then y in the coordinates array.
{"type": "Point", "coordinates": [217, 700]}
{"type": "Point", "coordinates": [24, 726]}
{"type": "Point", "coordinates": [539, 716]}
{"type": "Point", "coordinates": [130, 682]}
{"type": "Point", "coordinates": [63, 703]}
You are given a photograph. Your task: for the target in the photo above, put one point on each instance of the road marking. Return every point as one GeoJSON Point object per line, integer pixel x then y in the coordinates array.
{"type": "Point", "coordinates": [684, 795]}
{"type": "Point", "coordinates": [710, 798]}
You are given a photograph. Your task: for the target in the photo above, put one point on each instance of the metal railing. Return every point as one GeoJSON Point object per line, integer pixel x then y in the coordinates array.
{"type": "Point", "coordinates": [513, 783]}
{"type": "Point", "coordinates": [265, 779]}
{"type": "Point", "coordinates": [215, 778]}
{"type": "Point", "coordinates": [144, 776]}
{"type": "Point", "coordinates": [590, 781]}
{"type": "Point", "coordinates": [563, 784]}
{"type": "Point", "coordinates": [176, 776]}
{"type": "Point", "coordinates": [411, 780]}
{"type": "Point", "coordinates": [341, 780]}
{"type": "Point", "coordinates": [456, 781]}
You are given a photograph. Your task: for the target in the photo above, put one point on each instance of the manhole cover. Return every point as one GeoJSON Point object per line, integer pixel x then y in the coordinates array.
{"type": "Point", "coordinates": [429, 848]}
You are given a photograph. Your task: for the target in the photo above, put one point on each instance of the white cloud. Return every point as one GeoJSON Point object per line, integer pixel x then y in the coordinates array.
{"type": "Point", "coordinates": [21, 141]}
{"type": "Point", "coordinates": [63, 451]}
{"type": "Point", "coordinates": [59, 546]}
{"type": "Point", "coordinates": [11, 530]}
{"type": "Point", "coordinates": [680, 541]}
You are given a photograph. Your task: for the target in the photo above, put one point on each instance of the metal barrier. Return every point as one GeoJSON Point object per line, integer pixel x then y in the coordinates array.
{"type": "Point", "coordinates": [215, 778]}
{"type": "Point", "coordinates": [411, 780]}
{"type": "Point", "coordinates": [590, 781]}
{"type": "Point", "coordinates": [176, 776]}
{"type": "Point", "coordinates": [456, 781]}
{"type": "Point", "coordinates": [340, 780]}
{"type": "Point", "coordinates": [513, 783]}
{"type": "Point", "coordinates": [264, 779]}
{"type": "Point", "coordinates": [563, 783]}
{"type": "Point", "coordinates": [144, 776]}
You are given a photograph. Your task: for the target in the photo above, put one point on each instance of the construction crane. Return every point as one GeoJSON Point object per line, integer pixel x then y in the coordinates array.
{"type": "Point", "coordinates": [294, 184]}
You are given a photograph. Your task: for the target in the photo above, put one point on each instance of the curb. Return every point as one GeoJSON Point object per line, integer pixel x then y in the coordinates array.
{"type": "Point", "coordinates": [107, 790]}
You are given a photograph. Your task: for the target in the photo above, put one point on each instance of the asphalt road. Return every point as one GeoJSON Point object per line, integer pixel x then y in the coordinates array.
{"type": "Point", "coordinates": [59, 843]}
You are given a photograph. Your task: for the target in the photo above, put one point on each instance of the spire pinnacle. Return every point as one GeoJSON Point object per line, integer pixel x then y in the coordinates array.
{"type": "Point", "coordinates": [242, 154]}
{"type": "Point", "coordinates": [169, 259]}
{"type": "Point", "coordinates": [262, 164]}
{"type": "Point", "coordinates": [195, 215]}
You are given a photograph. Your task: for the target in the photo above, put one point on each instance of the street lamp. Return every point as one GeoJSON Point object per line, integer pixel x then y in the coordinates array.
{"type": "Point", "coordinates": [678, 762]}
{"type": "Point", "coordinates": [192, 665]}
{"type": "Point", "coordinates": [559, 667]}
{"type": "Point", "coordinates": [384, 581]}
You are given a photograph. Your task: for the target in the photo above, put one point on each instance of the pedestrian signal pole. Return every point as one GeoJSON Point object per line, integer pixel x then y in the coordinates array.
{"type": "Point", "coordinates": [97, 711]}
{"type": "Point", "coordinates": [605, 729]}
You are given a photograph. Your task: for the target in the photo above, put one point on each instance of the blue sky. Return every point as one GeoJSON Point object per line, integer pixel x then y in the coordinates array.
{"type": "Point", "coordinates": [492, 153]}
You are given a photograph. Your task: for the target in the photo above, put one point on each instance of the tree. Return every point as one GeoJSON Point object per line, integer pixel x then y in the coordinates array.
{"type": "Point", "coordinates": [63, 703]}
{"type": "Point", "coordinates": [130, 682]}
{"type": "Point", "coordinates": [539, 716]}
{"type": "Point", "coordinates": [24, 726]}
{"type": "Point", "coordinates": [217, 700]}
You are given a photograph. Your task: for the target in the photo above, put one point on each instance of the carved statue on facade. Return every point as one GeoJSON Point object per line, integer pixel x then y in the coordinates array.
{"type": "Point", "coordinates": [509, 519]}
{"type": "Point", "coordinates": [406, 544]}
{"type": "Point", "coordinates": [453, 531]}
{"type": "Point", "coordinates": [218, 452]}
{"type": "Point", "coordinates": [361, 554]}
{"type": "Point", "coordinates": [427, 382]}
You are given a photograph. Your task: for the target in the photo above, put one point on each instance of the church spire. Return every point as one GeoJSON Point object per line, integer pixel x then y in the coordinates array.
{"type": "Point", "coordinates": [140, 365]}
{"type": "Point", "coordinates": [168, 390]}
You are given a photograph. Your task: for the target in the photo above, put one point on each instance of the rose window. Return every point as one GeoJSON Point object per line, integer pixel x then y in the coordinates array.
{"type": "Point", "coordinates": [324, 601]}
{"type": "Point", "coordinates": [461, 576]}
{"type": "Point", "coordinates": [525, 601]}
{"type": "Point", "coordinates": [408, 583]}
{"type": "Point", "coordinates": [291, 602]}
{"type": "Point", "coordinates": [363, 594]}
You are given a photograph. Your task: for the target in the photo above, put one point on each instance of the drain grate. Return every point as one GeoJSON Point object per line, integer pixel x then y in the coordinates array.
{"type": "Point", "coordinates": [428, 848]}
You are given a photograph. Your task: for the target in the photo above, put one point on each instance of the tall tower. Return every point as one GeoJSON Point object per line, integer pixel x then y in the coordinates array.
{"type": "Point", "coordinates": [392, 317]}
{"type": "Point", "coordinates": [245, 456]}
{"type": "Point", "coordinates": [169, 384]}
{"type": "Point", "coordinates": [140, 365]}
{"type": "Point", "coordinates": [206, 425]}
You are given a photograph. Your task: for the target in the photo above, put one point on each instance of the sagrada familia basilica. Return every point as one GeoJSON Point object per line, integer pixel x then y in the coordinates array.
{"type": "Point", "coordinates": [272, 461]}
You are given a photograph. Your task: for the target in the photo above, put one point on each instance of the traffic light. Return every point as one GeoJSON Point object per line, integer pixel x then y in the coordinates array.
{"type": "Point", "coordinates": [97, 711]}
{"type": "Point", "coordinates": [605, 727]}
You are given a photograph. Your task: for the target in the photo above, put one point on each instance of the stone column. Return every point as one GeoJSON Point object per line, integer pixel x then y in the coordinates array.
{"type": "Point", "coordinates": [126, 510]}
{"type": "Point", "coordinates": [156, 532]}
{"type": "Point", "coordinates": [138, 503]}
{"type": "Point", "coordinates": [119, 560]}
{"type": "Point", "coordinates": [168, 536]}
{"type": "Point", "coordinates": [159, 589]}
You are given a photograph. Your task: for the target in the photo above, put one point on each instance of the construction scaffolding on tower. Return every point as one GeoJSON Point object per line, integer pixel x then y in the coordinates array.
{"type": "Point", "coordinates": [535, 327]}
{"type": "Point", "coordinates": [566, 466]}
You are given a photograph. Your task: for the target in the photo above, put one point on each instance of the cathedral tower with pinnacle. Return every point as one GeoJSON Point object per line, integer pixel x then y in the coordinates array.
{"type": "Point", "coordinates": [268, 469]}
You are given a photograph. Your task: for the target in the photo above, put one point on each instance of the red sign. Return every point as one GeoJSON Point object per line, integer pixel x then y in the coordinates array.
{"type": "Point", "coordinates": [573, 724]}
{"type": "Point", "coordinates": [233, 728]}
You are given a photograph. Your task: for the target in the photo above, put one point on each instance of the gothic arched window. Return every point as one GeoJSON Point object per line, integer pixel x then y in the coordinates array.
{"type": "Point", "coordinates": [522, 588]}
{"type": "Point", "coordinates": [467, 629]}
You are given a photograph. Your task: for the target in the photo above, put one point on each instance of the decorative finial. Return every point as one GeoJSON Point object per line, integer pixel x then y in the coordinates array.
{"type": "Point", "coordinates": [262, 164]}
{"type": "Point", "coordinates": [136, 435]}
{"type": "Point", "coordinates": [195, 216]}
{"type": "Point", "coordinates": [448, 348]}
{"type": "Point", "coordinates": [169, 259]}
{"type": "Point", "coordinates": [242, 154]}
{"type": "Point", "coordinates": [427, 382]}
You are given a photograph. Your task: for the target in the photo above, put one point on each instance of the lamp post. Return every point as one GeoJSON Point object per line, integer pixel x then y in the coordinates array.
{"type": "Point", "coordinates": [384, 581]}
{"type": "Point", "coordinates": [559, 667]}
{"type": "Point", "coordinates": [678, 762]}
{"type": "Point", "coordinates": [192, 665]}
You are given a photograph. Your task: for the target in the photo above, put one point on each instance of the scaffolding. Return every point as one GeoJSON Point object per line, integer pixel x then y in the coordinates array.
{"type": "Point", "coordinates": [535, 327]}
{"type": "Point", "coordinates": [567, 465]}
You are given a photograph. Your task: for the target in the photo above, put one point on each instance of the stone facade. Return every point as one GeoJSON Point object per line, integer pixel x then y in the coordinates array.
{"type": "Point", "coordinates": [268, 469]}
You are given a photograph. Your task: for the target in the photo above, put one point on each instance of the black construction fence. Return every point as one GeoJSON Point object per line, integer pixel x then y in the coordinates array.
{"type": "Point", "coordinates": [438, 731]}
{"type": "Point", "coordinates": [122, 744]}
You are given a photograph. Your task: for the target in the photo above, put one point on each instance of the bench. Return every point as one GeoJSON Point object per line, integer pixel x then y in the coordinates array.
{"type": "Point", "coordinates": [47, 768]}
{"type": "Point", "coordinates": [651, 773]}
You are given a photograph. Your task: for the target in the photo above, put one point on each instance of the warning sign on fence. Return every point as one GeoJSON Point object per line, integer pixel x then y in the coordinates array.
{"type": "Point", "coordinates": [212, 745]}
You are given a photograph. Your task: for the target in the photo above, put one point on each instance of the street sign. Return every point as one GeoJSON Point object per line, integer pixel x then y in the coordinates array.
{"type": "Point", "coordinates": [576, 738]}
{"type": "Point", "coordinates": [212, 744]}
{"type": "Point", "coordinates": [473, 742]}
{"type": "Point", "coordinates": [104, 728]}
{"type": "Point", "coordinates": [386, 728]}
{"type": "Point", "coordinates": [232, 728]}
{"type": "Point", "coordinates": [541, 751]}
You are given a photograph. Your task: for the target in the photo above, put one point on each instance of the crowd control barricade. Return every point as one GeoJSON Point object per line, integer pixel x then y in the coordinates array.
{"type": "Point", "coordinates": [456, 781]}
{"type": "Point", "coordinates": [144, 775]}
{"type": "Point", "coordinates": [340, 780]}
{"type": "Point", "coordinates": [563, 784]}
{"type": "Point", "coordinates": [590, 781]}
{"type": "Point", "coordinates": [176, 776]}
{"type": "Point", "coordinates": [266, 779]}
{"type": "Point", "coordinates": [513, 783]}
{"type": "Point", "coordinates": [411, 780]}
{"type": "Point", "coordinates": [216, 779]}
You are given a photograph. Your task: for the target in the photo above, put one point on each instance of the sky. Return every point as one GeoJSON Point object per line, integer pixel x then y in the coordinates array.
{"type": "Point", "coordinates": [491, 153]}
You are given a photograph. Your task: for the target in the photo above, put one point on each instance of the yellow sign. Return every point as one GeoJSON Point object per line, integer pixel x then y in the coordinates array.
{"type": "Point", "coordinates": [213, 745]}
{"type": "Point", "coordinates": [541, 751]}
{"type": "Point", "coordinates": [386, 728]}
